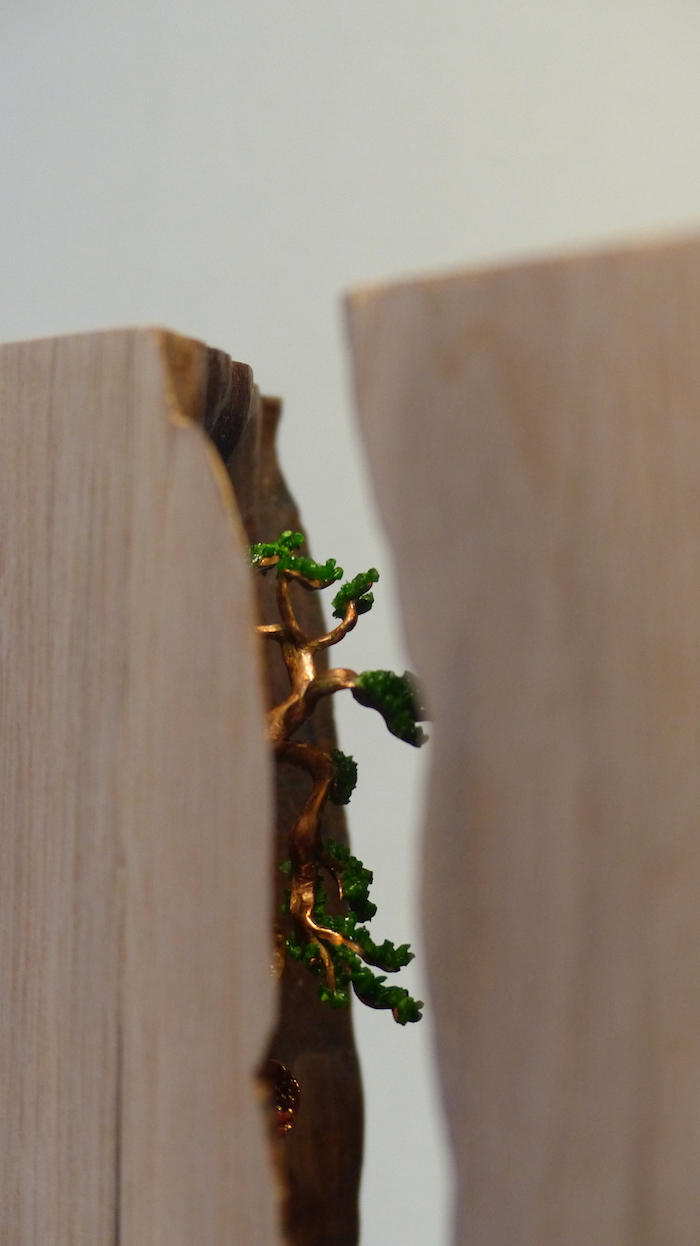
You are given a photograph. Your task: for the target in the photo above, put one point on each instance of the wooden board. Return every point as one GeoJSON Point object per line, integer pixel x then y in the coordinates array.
{"type": "Point", "coordinates": [534, 436]}
{"type": "Point", "coordinates": [135, 953]}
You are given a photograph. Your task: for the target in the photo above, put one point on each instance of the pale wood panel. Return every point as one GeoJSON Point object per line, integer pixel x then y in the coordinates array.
{"type": "Point", "coordinates": [534, 435]}
{"type": "Point", "coordinates": [135, 810]}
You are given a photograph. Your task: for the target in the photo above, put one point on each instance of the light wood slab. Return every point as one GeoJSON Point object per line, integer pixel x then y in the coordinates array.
{"type": "Point", "coordinates": [135, 983]}
{"type": "Point", "coordinates": [534, 435]}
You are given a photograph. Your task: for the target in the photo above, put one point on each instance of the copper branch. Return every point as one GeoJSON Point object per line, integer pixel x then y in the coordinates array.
{"type": "Point", "coordinates": [325, 685]}
{"type": "Point", "coordinates": [284, 605]}
{"type": "Point", "coordinates": [306, 850]}
{"type": "Point", "coordinates": [332, 638]}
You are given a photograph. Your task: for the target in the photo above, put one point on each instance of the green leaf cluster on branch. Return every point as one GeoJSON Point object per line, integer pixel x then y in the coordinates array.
{"type": "Point", "coordinates": [355, 880]}
{"type": "Point", "coordinates": [357, 591]}
{"type": "Point", "coordinates": [335, 946]}
{"type": "Point", "coordinates": [396, 699]}
{"type": "Point", "coordinates": [284, 560]}
{"type": "Point", "coordinates": [344, 777]}
{"type": "Point", "coordinates": [369, 987]}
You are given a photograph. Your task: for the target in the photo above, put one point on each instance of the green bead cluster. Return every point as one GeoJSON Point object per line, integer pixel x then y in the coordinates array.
{"type": "Point", "coordinates": [396, 699]}
{"type": "Point", "coordinates": [350, 969]}
{"type": "Point", "coordinates": [355, 880]}
{"type": "Point", "coordinates": [325, 573]}
{"type": "Point", "coordinates": [356, 590]}
{"type": "Point", "coordinates": [344, 777]}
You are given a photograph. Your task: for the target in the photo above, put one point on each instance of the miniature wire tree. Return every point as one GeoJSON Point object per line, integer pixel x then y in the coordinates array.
{"type": "Point", "coordinates": [336, 947]}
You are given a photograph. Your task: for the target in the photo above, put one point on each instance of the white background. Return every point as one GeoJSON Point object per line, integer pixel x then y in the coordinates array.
{"type": "Point", "coordinates": [227, 168]}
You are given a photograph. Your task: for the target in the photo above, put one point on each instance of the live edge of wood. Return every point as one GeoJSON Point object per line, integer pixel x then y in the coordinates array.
{"type": "Point", "coordinates": [320, 1161]}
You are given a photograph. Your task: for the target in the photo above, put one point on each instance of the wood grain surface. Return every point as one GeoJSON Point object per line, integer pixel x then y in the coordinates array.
{"type": "Point", "coordinates": [136, 994]}
{"type": "Point", "coordinates": [534, 436]}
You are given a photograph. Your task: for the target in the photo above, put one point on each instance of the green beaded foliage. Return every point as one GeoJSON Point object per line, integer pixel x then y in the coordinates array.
{"type": "Point", "coordinates": [356, 590]}
{"type": "Point", "coordinates": [285, 543]}
{"type": "Point", "coordinates": [344, 777]}
{"type": "Point", "coordinates": [319, 573]}
{"type": "Point", "coordinates": [354, 878]}
{"type": "Point", "coordinates": [349, 967]}
{"type": "Point", "coordinates": [396, 699]}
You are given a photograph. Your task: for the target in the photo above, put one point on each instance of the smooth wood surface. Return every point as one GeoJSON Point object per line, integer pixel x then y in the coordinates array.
{"type": "Point", "coordinates": [534, 436]}
{"type": "Point", "coordinates": [135, 982]}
